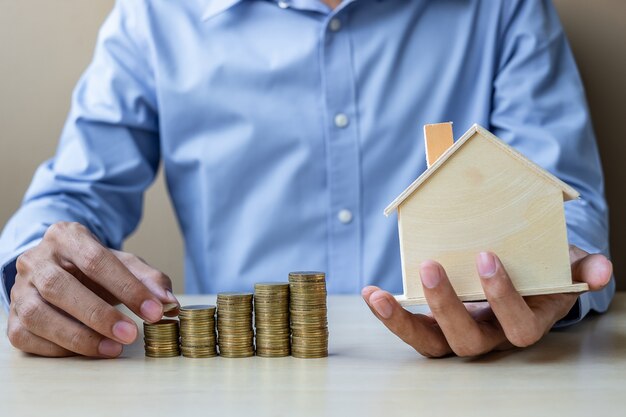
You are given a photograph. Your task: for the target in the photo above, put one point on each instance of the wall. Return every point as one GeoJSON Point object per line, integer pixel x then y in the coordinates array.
{"type": "Point", "coordinates": [45, 45]}
{"type": "Point", "coordinates": [597, 33]}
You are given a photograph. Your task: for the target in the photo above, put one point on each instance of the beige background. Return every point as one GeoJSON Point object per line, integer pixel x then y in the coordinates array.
{"type": "Point", "coordinates": [45, 45]}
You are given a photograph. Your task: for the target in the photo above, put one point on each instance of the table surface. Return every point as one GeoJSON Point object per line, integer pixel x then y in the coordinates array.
{"type": "Point", "coordinates": [580, 371]}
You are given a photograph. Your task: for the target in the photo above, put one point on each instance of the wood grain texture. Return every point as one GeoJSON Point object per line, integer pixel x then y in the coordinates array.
{"type": "Point", "coordinates": [569, 193]}
{"type": "Point", "coordinates": [574, 372]}
{"type": "Point", "coordinates": [485, 198]}
{"type": "Point", "coordinates": [578, 287]}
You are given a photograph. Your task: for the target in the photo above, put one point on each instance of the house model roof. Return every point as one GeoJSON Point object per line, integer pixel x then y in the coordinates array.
{"type": "Point", "coordinates": [569, 193]}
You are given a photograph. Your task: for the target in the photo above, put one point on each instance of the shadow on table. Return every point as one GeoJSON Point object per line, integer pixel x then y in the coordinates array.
{"type": "Point", "coordinates": [597, 338]}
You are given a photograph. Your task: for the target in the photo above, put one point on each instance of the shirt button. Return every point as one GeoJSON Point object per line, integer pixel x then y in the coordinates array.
{"type": "Point", "coordinates": [344, 216]}
{"type": "Point", "coordinates": [335, 25]}
{"type": "Point", "coordinates": [283, 4]}
{"type": "Point", "coordinates": [341, 120]}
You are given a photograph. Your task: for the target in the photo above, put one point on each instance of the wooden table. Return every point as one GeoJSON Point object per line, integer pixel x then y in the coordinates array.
{"type": "Point", "coordinates": [576, 372]}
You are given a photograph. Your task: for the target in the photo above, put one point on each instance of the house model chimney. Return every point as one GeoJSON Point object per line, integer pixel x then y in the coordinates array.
{"type": "Point", "coordinates": [438, 138]}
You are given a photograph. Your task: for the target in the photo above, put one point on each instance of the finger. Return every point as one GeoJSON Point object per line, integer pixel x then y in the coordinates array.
{"type": "Point", "coordinates": [28, 342]}
{"type": "Point", "coordinates": [42, 320]}
{"type": "Point", "coordinates": [366, 292]}
{"type": "Point", "coordinates": [156, 281]}
{"type": "Point", "coordinates": [520, 324]}
{"type": "Point", "coordinates": [464, 334]}
{"type": "Point", "coordinates": [417, 330]}
{"type": "Point", "coordinates": [62, 290]}
{"type": "Point", "coordinates": [75, 244]}
{"type": "Point", "coordinates": [596, 270]}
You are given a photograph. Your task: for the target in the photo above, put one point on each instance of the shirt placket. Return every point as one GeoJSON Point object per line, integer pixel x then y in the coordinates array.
{"type": "Point", "coordinates": [342, 155]}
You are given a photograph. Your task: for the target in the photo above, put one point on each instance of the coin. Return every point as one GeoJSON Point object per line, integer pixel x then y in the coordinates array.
{"type": "Point", "coordinates": [234, 324]}
{"type": "Point", "coordinates": [197, 331]}
{"type": "Point", "coordinates": [167, 307]}
{"type": "Point", "coordinates": [271, 318]}
{"type": "Point", "coordinates": [161, 338]}
{"type": "Point", "coordinates": [308, 314]}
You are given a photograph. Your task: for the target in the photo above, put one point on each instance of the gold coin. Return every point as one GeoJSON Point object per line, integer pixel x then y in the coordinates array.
{"type": "Point", "coordinates": [167, 307]}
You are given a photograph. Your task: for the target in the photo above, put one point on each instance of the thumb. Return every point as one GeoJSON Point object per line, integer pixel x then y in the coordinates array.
{"type": "Point", "coordinates": [595, 270]}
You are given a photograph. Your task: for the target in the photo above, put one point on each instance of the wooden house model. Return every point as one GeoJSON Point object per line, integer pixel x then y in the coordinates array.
{"type": "Point", "coordinates": [479, 194]}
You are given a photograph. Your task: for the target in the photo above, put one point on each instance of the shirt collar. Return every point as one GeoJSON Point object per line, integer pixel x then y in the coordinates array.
{"type": "Point", "coordinates": [216, 7]}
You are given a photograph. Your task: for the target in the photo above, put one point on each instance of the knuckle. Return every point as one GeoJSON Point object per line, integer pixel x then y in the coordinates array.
{"type": "Point", "coordinates": [47, 283]}
{"type": "Point", "coordinates": [24, 262]}
{"type": "Point", "coordinates": [56, 230]}
{"type": "Point", "coordinates": [92, 259]}
{"type": "Point", "coordinates": [523, 337]}
{"type": "Point", "coordinates": [94, 316]}
{"type": "Point", "coordinates": [15, 292]}
{"type": "Point", "coordinates": [466, 351]}
{"type": "Point", "coordinates": [129, 288]}
{"type": "Point", "coordinates": [438, 351]}
{"type": "Point", "coordinates": [501, 296]}
{"type": "Point", "coordinates": [472, 344]}
{"type": "Point", "coordinates": [61, 230]}
{"type": "Point", "coordinates": [77, 342]}
{"type": "Point", "coordinates": [76, 227]}
{"type": "Point", "coordinates": [28, 312]}
{"type": "Point", "coordinates": [437, 308]}
{"type": "Point", "coordinates": [17, 335]}
{"type": "Point", "coordinates": [523, 341]}
{"type": "Point", "coordinates": [83, 342]}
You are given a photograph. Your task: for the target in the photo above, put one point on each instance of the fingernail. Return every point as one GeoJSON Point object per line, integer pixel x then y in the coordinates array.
{"type": "Point", "coordinates": [430, 274]}
{"type": "Point", "coordinates": [367, 292]}
{"type": "Point", "coordinates": [151, 310]}
{"type": "Point", "coordinates": [125, 331]}
{"type": "Point", "coordinates": [110, 348]}
{"type": "Point", "coordinates": [170, 296]}
{"type": "Point", "coordinates": [382, 306]}
{"type": "Point", "coordinates": [486, 265]}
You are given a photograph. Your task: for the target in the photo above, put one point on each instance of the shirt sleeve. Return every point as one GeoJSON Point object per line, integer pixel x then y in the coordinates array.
{"type": "Point", "coordinates": [108, 153]}
{"type": "Point", "coordinates": [539, 107]}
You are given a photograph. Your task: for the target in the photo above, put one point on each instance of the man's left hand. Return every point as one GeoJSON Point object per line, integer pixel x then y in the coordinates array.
{"type": "Point", "coordinates": [504, 321]}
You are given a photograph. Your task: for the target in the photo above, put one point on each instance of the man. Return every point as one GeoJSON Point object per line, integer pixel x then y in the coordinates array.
{"type": "Point", "coordinates": [284, 128]}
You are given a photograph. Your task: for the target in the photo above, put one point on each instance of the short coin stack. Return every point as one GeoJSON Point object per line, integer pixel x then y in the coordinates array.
{"type": "Point", "coordinates": [197, 331]}
{"type": "Point", "coordinates": [161, 339]}
{"type": "Point", "coordinates": [309, 323]}
{"type": "Point", "coordinates": [271, 318]}
{"type": "Point", "coordinates": [234, 325]}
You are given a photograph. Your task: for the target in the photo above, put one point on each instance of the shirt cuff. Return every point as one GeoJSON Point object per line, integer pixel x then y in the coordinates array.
{"type": "Point", "coordinates": [578, 311]}
{"type": "Point", "coordinates": [8, 271]}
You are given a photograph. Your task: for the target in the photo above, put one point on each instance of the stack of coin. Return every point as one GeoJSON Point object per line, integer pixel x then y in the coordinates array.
{"type": "Point", "coordinates": [271, 319]}
{"type": "Point", "coordinates": [234, 325]}
{"type": "Point", "coordinates": [161, 339]}
{"type": "Point", "coordinates": [307, 307]}
{"type": "Point", "coordinates": [197, 331]}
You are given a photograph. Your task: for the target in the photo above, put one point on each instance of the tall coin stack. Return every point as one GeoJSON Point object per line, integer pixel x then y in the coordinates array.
{"type": "Point", "coordinates": [197, 331]}
{"type": "Point", "coordinates": [234, 325]}
{"type": "Point", "coordinates": [161, 339]}
{"type": "Point", "coordinates": [308, 311]}
{"type": "Point", "coordinates": [271, 319]}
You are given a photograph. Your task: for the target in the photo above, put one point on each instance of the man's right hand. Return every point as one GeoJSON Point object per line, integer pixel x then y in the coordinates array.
{"type": "Point", "coordinates": [64, 292]}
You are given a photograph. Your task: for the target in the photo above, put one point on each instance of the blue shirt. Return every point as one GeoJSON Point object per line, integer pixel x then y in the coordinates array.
{"type": "Point", "coordinates": [284, 129]}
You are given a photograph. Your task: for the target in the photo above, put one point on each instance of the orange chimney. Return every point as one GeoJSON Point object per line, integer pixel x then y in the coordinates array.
{"type": "Point", "coordinates": [438, 138]}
